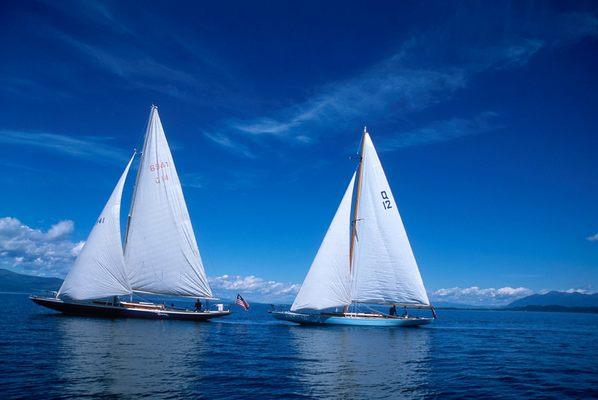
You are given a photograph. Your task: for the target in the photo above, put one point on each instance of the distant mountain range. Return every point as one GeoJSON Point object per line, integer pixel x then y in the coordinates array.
{"type": "Point", "coordinates": [551, 301]}
{"type": "Point", "coordinates": [19, 283]}
{"type": "Point", "coordinates": [563, 299]}
{"type": "Point", "coordinates": [450, 304]}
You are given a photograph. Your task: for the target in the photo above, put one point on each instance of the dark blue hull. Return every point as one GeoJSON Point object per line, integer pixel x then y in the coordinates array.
{"type": "Point", "coordinates": [133, 310]}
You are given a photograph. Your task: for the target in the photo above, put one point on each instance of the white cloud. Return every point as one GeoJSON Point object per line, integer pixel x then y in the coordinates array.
{"type": "Point", "coordinates": [253, 287]}
{"type": "Point", "coordinates": [593, 238]}
{"type": "Point", "coordinates": [60, 230]}
{"type": "Point", "coordinates": [580, 290]}
{"type": "Point", "coordinates": [475, 295]}
{"type": "Point", "coordinates": [33, 251]}
{"type": "Point", "coordinates": [85, 147]}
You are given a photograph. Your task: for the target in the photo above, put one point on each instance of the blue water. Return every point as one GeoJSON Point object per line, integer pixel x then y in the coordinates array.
{"type": "Point", "coordinates": [474, 354]}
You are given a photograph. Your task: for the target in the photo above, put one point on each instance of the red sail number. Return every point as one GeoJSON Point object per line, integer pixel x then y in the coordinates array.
{"type": "Point", "coordinates": [159, 165]}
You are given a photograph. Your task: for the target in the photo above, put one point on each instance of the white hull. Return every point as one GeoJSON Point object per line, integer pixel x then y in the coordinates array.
{"type": "Point", "coordinates": [354, 319]}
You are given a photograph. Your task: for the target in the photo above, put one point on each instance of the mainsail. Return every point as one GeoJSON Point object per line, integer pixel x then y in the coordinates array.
{"type": "Point", "coordinates": [384, 268]}
{"type": "Point", "coordinates": [161, 252]}
{"type": "Point", "coordinates": [99, 270]}
{"type": "Point", "coordinates": [327, 283]}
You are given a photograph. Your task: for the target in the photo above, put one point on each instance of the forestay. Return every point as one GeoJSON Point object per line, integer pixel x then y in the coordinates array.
{"type": "Point", "coordinates": [328, 281]}
{"type": "Point", "coordinates": [160, 248]}
{"type": "Point", "coordinates": [99, 270]}
{"type": "Point", "coordinates": [384, 268]}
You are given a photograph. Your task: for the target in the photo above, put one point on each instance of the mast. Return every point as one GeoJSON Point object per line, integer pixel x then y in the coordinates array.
{"type": "Point", "coordinates": [356, 206]}
{"type": "Point", "coordinates": [137, 181]}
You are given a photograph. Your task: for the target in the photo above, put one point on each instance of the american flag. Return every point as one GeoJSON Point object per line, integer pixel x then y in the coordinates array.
{"type": "Point", "coordinates": [242, 303]}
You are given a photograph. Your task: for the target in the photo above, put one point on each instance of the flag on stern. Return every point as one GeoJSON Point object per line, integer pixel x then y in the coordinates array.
{"type": "Point", "coordinates": [242, 303]}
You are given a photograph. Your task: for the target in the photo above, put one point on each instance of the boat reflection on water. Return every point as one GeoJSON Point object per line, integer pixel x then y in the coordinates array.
{"type": "Point", "coordinates": [252, 358]}
{"type": "Point", "coordinates": [358, 362]}
{"type": "Point", "coordinates": [127, 357]}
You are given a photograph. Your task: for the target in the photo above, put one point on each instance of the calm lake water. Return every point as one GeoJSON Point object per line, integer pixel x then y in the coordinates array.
{"type": "Point", "coordinates": [481, 354]}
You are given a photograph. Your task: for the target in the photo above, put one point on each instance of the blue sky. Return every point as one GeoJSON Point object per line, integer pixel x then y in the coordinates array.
{"type": "Point", "coordinates": [484, 116]}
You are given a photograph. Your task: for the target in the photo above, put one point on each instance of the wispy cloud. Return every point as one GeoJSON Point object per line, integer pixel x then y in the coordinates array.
{"type": "Point", "coordinates": [193, 180]}
{"type": "Point", "coordinates": [227, 142]}
{"type": "Point", "coordinates": [475, 295]}
{"type": "Point", "coordinates": [90, 10]}
{"type": "Point", "coordinates": [411, 80]}
{"type": "Point", "coordinates": [387, 87]}
{"type": "Point", "coordinates": [116, 43]}
{"type": "Point", "coordinates": [127, 65]}
{"type": "Point", "coordinates": [384, 93]}
{"type": "Point", "coordinates": [593, 238]}
{"type": "Point", "coordinates": [238, 180]}
{"type": "Point", "coordinates": [29, 89]}
{"type": "Point", "coordinates": [85, 147]}
{"type": "Point", "coordinates": [439, 131]}
{"type": "Point", "coordinates": [37, 252]}
{"type": "Point", "coordinates": [133, 63]}
{"type": "Point", "coordinates": [574, 26]}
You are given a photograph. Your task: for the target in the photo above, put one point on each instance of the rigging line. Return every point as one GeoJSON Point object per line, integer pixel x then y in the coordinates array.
{"type": "Point", "coordinates": [378, 312]}
{"type": "Point", "coordinates": [141, 158]}
{"type": "Point", "coordinates": [141, 137]}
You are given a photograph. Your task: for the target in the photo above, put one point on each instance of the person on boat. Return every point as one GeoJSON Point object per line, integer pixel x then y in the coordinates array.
{"type": "Point", "coordinates": [405, 313]}
{"type": "Point", "coordinates": [393, 310]}
{"type": "Point", "coordinates": [198, 305]}
{"type": "Point", "coordinates": [115, 301]}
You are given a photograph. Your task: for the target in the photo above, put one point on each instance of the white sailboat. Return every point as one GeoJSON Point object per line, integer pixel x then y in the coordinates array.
{"type": "Point", "coordinates": [365, 258]}
{"type": "Point", "coordinates": [160, 254]}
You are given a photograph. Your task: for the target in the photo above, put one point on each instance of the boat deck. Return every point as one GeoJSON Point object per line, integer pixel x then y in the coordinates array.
{"type": "Point", "coordinates": [355, 319]}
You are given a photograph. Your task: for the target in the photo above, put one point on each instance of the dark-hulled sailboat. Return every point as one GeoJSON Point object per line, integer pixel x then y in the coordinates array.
{"type": "Point", "coordinates": [365, 258]}
{"type": "Point", "coordinates": [160, 254]}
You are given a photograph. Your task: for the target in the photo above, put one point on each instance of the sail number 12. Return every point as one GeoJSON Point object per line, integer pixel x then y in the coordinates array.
{"type": "Point", "coordinates": [385, 200]}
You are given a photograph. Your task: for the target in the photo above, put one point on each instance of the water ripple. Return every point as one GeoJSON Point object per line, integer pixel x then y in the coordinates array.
{"type": "Point", "coordinates": [471, 354]}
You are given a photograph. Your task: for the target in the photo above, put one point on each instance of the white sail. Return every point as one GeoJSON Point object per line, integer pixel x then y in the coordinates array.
{"type": "Point", "coordinates": [327, 283]}
{"type": "Point", "coordinates": [99, 270]}
{"type": "Point", "coordinates": [160, 248]}
{"type": "Point", "coordinates": [384, 268]}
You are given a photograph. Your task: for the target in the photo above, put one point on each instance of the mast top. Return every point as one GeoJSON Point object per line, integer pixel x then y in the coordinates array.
{"type": "Point", "coordinates": [154, 107]}
{"type": "Point", "coordinates": [365, 129]}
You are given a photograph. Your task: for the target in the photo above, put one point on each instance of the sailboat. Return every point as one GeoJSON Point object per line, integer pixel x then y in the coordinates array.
{"type": "Point", "coordinates": [365, 259]}
{"type": "Point", "coordinates": [159, 256]}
